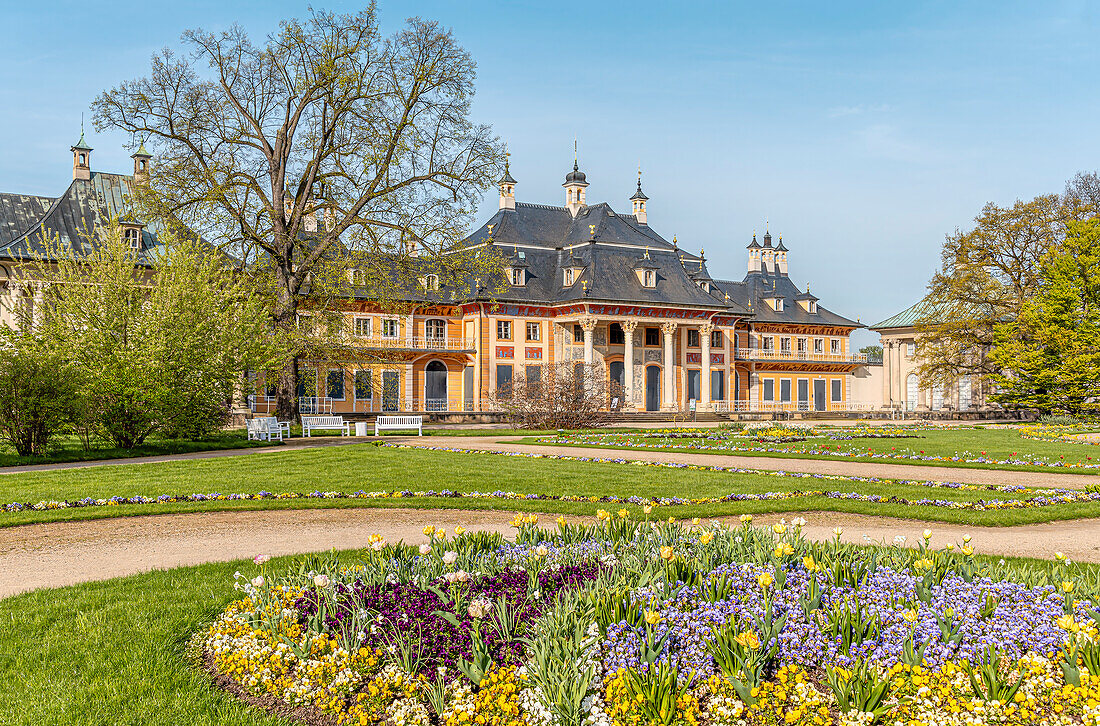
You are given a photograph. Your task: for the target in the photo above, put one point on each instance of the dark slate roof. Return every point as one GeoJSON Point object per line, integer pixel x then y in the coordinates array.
{"type": "Point", "coordinates": [20, 212]}
{"type": "Point", "coordinates": [756, 287]}
{"type": "Point", "coordinates": [552, 227]}
{"type": "Point", "coordinates": [85, 205]}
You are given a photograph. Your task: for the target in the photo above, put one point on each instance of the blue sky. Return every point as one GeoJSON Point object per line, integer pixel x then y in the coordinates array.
{"type": "Point", "coordinates": [862, 131]}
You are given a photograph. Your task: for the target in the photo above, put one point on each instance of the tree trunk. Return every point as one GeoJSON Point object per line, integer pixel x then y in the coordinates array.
{"type": "Point", "coordinates": [286, 308]}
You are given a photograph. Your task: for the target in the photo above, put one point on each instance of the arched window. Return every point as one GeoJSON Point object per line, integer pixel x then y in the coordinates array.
{"type": "Point", "coordinates": [912, 386]}
{"type": "Point", "coordinates": [435, 331]}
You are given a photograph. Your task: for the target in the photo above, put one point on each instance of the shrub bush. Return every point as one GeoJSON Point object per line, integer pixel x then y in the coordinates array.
{"type": "Point", "coordinates": [36, 395]}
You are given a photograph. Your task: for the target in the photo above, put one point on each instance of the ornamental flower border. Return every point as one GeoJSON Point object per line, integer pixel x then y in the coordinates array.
{"type": "Point", "coordinates": [1045, 497]}
{"type": "Point", "coordinates": [625, 623]}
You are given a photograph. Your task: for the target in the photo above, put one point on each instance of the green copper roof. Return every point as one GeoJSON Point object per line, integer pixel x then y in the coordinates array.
{"type": "Point", "coordinates": [141, 150]}
{"type": "Point", "coordinates": [82, 144]}
{"type": "Point", "coordinates": [906, 318]}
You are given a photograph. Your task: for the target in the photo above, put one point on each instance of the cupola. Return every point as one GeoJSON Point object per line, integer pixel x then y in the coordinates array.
{"type": "Point", "coordinates": [754, 254]}
{"type": "Point", "coordinates": [781, 257]}
{"type": "Point", "coordinates": [638, 200]}
{"type": "Point", "coordinates": [575, 185]}
{"type": "Point", "coordinates": [767, 252]}
{"type": "Point", "coordinates": [507, 189]}
{"type": "Point", "coordinates": [141, 159]}
{"type": "Point", "coordinates": [82, 158]}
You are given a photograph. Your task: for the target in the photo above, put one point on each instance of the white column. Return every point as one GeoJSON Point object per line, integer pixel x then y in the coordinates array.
{"type": "Point", "coordinates": [629, 326]}
{"type": "Point", "coordinates": [408, 387]}
{"type": "Point", "coordinates": [704, 346]}
{"type": "Point", "coordinates": [588, 325]}
{"type": "Point", "coordinates": [887, 391]}
{"type": "Point", "coordinates": [671, 402]}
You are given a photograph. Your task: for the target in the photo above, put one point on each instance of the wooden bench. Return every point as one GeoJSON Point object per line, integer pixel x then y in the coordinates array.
{"type": "Point", "coordinates": [326, 423]}
{"type": "Point", "coordinates": [399, 423]}
{"type": "Point", "coordinates": [265, 428]}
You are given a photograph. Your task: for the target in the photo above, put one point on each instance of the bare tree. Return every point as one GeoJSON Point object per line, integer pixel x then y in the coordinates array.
{"type": "Point", "coordinates": [328, 148]}
{"type": "Point", "coordinates": [564, 396]}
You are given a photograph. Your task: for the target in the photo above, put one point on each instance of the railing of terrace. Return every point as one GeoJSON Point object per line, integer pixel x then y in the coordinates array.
{"type": "Point", "coordinates": [405, 342]}
{"type": "Point", "coordinates": [790, 355]}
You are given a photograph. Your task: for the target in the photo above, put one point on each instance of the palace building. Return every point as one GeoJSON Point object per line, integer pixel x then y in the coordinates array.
{"type": "Point", "coordinates": [587, 284]}
{"type": "Point", "coordinates": [583, 284]}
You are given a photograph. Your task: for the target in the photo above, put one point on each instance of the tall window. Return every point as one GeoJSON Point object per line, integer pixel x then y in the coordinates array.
{"type": "Point", "coordinates": [716, 339]}
{"type": "Point", "coordinates": [435, 330]}
{"type": "Point", "coordinates": [768, 342]}
{"type": "Point", "coordinates": [534, 331]}
{"type": "Point", "coordinates": [801, 345]}
{"type": "Point", "coordinates": [504, 330]}
{"type": "Point", "coordinates": [650, 278]}
{"type": "Point", "coordinates": [652, 336]}
{"type": "Point", "coordinates": [534, 376]}
{"type": "Point", "coordinates": [819, 345]}
{"type": "Point", "coordinates": [785, 389]}
{"type": "Point", "coordinates": [570, 276]}
{"type": "Point", "coordinates": [362, 327]}
{"type": "Point", "coordinates": [615, 334]}
{"type": "Point", "coordinates": [504, 379]}
{"type": "Point", "coordinates": [834, 346]}
{"type": "Point", "coordinates": [911, 350]}
{"type": "Point", "coordinates": [334, 384]}
{"type": "Point", "coordinates": [785, 345]}
{"type": "Point", "coordinates": [769, 389]}
{"type": "Point", "coordinates": [363, 388]}
{"type": "Point", "coordinates": [517, 276]}
{"type": "Point", "coordinates": [693, 338]}
{"type": "Point", "coordinates": [779, 304]}
{"type": "Point", "coordinates": [431, 282]}
{"type": "Point", "coordinates": [578, 334]}
{"type": "Point", "coordinates": [132, 237]}
{"type": "Point", "coordinates": [390, 328]}
{"type": "Point", "coordinates": [837, 388]}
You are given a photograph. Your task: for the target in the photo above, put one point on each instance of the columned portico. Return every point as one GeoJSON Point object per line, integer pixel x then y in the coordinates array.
{"type": "Point", "coordinates": [670, 399]}
{"type": "Point", "coordinates": [704, 347]}
{"type": "Point", "coordinates": [629, 326]}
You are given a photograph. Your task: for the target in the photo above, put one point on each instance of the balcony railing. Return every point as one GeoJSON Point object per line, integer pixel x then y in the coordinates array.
{"type": "Point", "coordinates": [770, 406]}
{"type": "Point", "coordinates": [796, 356]}
{"type": "Point", "coordinates": [419, 342]}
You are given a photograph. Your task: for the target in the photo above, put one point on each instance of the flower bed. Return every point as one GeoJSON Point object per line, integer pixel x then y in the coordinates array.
{"type": "Point", "coordinates": [626, 623]}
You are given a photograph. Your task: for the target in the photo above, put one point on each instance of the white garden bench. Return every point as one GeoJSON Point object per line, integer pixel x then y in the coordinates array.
{"type": "Point", "coordinates": [326, 423]}
{"type": "Point", "coordinates": [399, 423]}
{"type": "Point", "coordinates": [265, 428]}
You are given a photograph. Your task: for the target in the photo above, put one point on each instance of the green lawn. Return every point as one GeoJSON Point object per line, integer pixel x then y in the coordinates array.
{"type": "Point", "coordinates": [69, 449]}
{"type": "Point", "coordinates": [368, 467]}
{"type": "Point", "coordinates": [936, 447]}
{"type": "Point", "coordinates": [114, 652]}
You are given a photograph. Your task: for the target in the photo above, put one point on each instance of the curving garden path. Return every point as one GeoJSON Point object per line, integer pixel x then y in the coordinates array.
{"type": "Point", "coordinates": [65, 553]}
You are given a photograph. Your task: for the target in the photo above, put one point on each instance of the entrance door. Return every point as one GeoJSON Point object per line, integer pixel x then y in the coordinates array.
{"type": "Point", "coordinates": [819, 394]}
{"type": "Point", "coordinates": [652, 388]}
{"type": "Point", "coordinates": [391, 390]}
{"type": "Point", "coordinates": [616, 373]}
{"type": "Point", "coordinates": [435, 386]}
{"type": "Point", "coordinates": [468, 388]}
{"type": "Point", "coordinates": [693, 385]}
{"type": "Point", "coordinates": [803, 394]}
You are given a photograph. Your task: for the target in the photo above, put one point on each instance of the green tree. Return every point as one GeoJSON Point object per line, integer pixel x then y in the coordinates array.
{"type": "Point", "coordinates": [1049, 358]}
{"type": "Point", "coordinates": [158, 348]}
{"type": "Point", "coordinates": [37, 391]}
{"type": "Point", "coordinates": [987, 275]}
{"type": "Point", "coordinates": [328, 151]}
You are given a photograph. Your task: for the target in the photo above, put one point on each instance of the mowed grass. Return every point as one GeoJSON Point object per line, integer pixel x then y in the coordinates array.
{"type": "Point", "coordinates": [949, 446]}
{"type": "Point", "coordinates": [371, 468]}
{"type": "Point", "coordinates": [114, 652]}
{"type": "Point", "coordinates": [69, 449]}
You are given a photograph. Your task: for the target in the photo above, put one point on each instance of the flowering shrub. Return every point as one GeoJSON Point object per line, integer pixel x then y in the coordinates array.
{"type": "Point", "coordinates": [628, 623]}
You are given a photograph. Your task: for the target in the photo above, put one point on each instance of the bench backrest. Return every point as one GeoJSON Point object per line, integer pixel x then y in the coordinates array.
{"type": "Point", "coordinates": [384, 421]}
{"type": "Point", "coordinates": [320, 421]}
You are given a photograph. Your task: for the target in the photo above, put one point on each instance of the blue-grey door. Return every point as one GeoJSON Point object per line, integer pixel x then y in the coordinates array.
{"type": "Point", "coordinates": [435, 386]}
{"type": "Point", "coordinates": [693, 385]}
{"type": "Point", "coordinates": [819, 394]}
{"type": "Point", "coordinates": [391, 391]}
{"type": "Point", "coordinates": [652, 388]}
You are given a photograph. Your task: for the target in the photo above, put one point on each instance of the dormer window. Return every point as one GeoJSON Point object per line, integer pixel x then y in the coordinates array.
{"type": "Point", "coordinates": [430, 282]}
{"type": "Point", "coordinates": [516, 276]}
{"type": "Point", "coordinates": [132, 237]}
{"type": "Point", "coordinates": [779, 304]}
{"type": "Point", "coordinates": [813, 308]}
{"type": "Point", "coordinates": [570, 276]}
{"type": "Point", "coordinates": [649, 278]}
{"type": "Point", "coordinates": [705, 285]}
{"type": "Point", "coordinates": [357, 277]}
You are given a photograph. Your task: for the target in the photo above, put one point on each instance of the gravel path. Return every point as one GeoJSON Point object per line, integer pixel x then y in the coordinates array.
{"type": "Point", "coordinates": [812, 466]}
{"type": "Point", "coordinates": [65, 553]}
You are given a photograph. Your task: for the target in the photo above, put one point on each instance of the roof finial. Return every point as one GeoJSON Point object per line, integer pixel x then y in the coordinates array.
{"type": "Point", "coordinates": [575, 167]}
{"type": "Point", "coordinates": [647, 252]}
{"type": "Point", "coordinates": [673, 240]}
